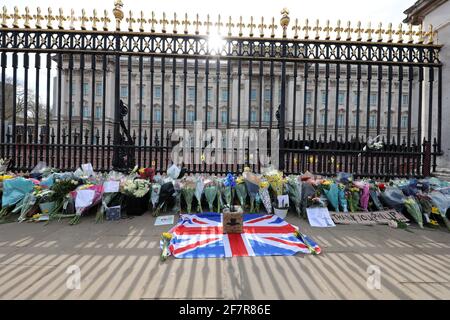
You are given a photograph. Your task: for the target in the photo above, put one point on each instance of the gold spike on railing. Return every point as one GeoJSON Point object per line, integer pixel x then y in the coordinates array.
{"type": "Point", "coordinates": [230, 26]}
{"type": "Point", "coordinates": [61, 18]}
{"type": "Point", "coordinates": [16, 17]}
{"type": "Point", "coordinates": [27, 17]}
{"type": "Point", "coordinates": [389, 32]}
{"type": "Point", "coordinates": [207, 24]}
{"type": "Point", "coordinates": [218, 25]}
{"type": "Point", "coordinates": [296, 28]}
{"type": "Point", "coordinates": [240, 25]}
{"type": "Point", "coordinates": [358, 31]}
{"type": "Point", "coordinates": [338, 30]}
{"type": "Point", "coordinates": [106, 20]}
{"type": "Point", "coordinates": [83, 19]}
{"type": "Point", "coordinates": [349, 31]}
{"type": "Point", "coordinates": [186, 23]}
{"type": "Point", "coordinates": [317, 29]}
{"type": "Point", "coordinates": [5, 17]}
{"type": "Point", "coordinates": [130, 21]}
{"type": "Point", "coordinates": [94, 19]}
{"type": "Point", "coordinates": [369, 31]}
{"type": "Point", "coordinates": [197, 24]}
{"type": "Point", "coordinates": [152, 22]}
{"type": "Point", "coordinates": [284, 21]}
{"type": "Point", "coordinates": [50, 18]}
{"type": "Point", "coordinates": [118, 13]}
{"type": "Point", "coordinates": [327, 30]}
{"type": "Point", "coordinates": [251, 25]}
{"type": "Point", "coordinates": [272, 27]}
{"type": "Point", "coordinates": [38, 17]}
{"type": "Point", "coordinates": [410, 33]}
{"type": "Point", "coordinates": [400, 33]}
{"type": "Point", "coordinates": [306, 28]}
{"type": "Point", "coordinates": [175, 23]}
{"type": "Point", "coordinates": [380, 32]}
{"type": "Point", "coordinates": [72, 19]}
{"type": "Point", "coordinates": [142, 21]}
{"type": "Point", "coordinates": [430, 34]}
{"type": "Point", "coordinates": [163, 23]}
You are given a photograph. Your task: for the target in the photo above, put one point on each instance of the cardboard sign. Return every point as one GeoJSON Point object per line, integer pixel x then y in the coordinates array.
{"type": "Point", "coordinates": [367, 218]}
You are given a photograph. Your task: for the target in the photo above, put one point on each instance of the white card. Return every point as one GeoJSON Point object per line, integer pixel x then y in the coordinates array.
{"type": "Point", "coordinates": [319, 217]}
{"type": "Point", "coordinates": [283, 201]}
{"type": "Point", "coordinates": [111, 186]}
{"type": "Point", "coordinates": [164, 220]}
{"type": "Point", "coordinates": [87, 168]}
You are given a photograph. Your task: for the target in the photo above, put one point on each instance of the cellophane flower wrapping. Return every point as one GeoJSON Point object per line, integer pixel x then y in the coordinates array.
{"type": "Point", "coordinates": [374, 197]}
{"type": "Point", "coordinates": [199, 187]}
{"type": "Point", "coordinates": [294, 190]}
{"type": "Point", "coordinates": [342, 198]}
{"type": "Point", "coordinates": [265, 198]}
{"type": "Point", "coordinates": [332, 193]}
{"type": "Point", "coordinates": [210, 191]}
{"type": "Point", "coordinates": [252, 182]}
{"type": "Point", "coordinates": [86, 197]}
{"type": "Point", "coordinates": [353, 199]}
{"type": "Point", "coordinates": [241, 191]}
{"type": "Point", "coordinates": [413, 209]}
{"type": "Point", "coordinates": [187, 191]}
{"type": "Point", "coordinates": [393, 198]}
{"type": "Point", "coordinates": [364, 201]}
{"type": "Point", "coordinates": [154, 196]}
{"type": "Point", "coordinates": [441, 202]}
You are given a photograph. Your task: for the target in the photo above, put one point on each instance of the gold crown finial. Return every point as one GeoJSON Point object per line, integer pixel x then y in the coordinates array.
{"type": "Point", "coordinates": [369, 31]}
{"type": "Point", "coordinates": [50, 18]}
{"type": "Point", "coordinates": [141, 22]}
{"type": "Point", "coordinates": [219, 24]}
{"type": "Point", "coordinates": [16, 17]}
{"type": "Point", "coordinates": [106, 20]}
{"type": "Point", "coordinates": [349, 31]}
{"type": "Point", "coordinates": [27, 17]}
{"type": "Point", "coordinates": [175, 22]}
{"type": "Point", "coordinates": [338, 30]}
{"type": "Point", "coordinates": [400, 33]}
{"type": "Point", "coordinates": [272, 27]}
{"type": "Point", "coordinates": [240, 25]}
{"type": "Point", "coordinates": [163, 23]}
{"type": "Point", "coordinates": [207, 24]}
{"type": "Point", "coordinates": [251, 25]}
{"type": "Point", "coordinates": [118, 13]}
{"type": "Point", "coordinates": [5, 17]}
{"type": "Point", "coordinates": [380, 32]}
{"type": "Point", "coordinates": [83, 19]}
{"type": "Point", "coordinates": [197, 23]}
{"type": "Point", "coordinates": [389, 32]}
{"type": "Point", "coordinates": [94, 19]}
{"type": "Point", "coordinates": [306, 28]}
{"type": "Point", "coordinates": [230, 26]}
{"type": "Point", "coordinates": [284, 21]}
{"type": "Point", "coordinates": [38, 17]}
{"type": "Point", "coordinates": [152, 22]}
{"type": "Point", "coordinates": [317, 29]}
{"type": "Point", "coordinates": [186, 23]}
{"type": "Point", "coordinates": [130, 21]}
{"type": "Point", "coordinates": [296, 28]}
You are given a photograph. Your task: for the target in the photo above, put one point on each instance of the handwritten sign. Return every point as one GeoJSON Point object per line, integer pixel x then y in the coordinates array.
{"type": "Point", "coordinates": [367, 218]}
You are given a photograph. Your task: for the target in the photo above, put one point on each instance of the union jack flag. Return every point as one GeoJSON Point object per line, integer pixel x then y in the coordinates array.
{"type": "Point", "coordinates": [201, 236]}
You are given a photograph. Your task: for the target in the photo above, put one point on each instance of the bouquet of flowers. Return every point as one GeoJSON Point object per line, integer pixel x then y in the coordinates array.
{"type": "Point", "coordinates": [85, 197]}
{"type": "Point", "coordinates": [331, 190]}
{"type": "Point", "coordinates": [136, 196]}
{"type": "Point", "coordinates": [294, 189]}
{"type": "Point", "coordinates": [14, 192]}
{"type": "Point", "coordinates": [165, 243]}
{"type": "Point", "coordinates": [187, 191]}
{"type": "Point", "coordinates": [265, 197]}
{"type": "Point", "coordinates": [252, 182]}
{"type": "Point", "coordinates": [393, 198]}
{"type": "Point", "coordinates": [308, 193]}
{"type": "Point", "coordinates": [413, 209]}
{"type": "Point", "coordinates": [199, 192]}
{"type": "Point", "coordinates": [364, 194]}
{"type": "Point", "coordinates": [375, 200]}
{"type": "Point", "coordinates": [353, 199]}
{"type": "Point", "coordinates": [229, 184]}
{"type": "Point", "coordinates": [276, 181]}
{"type": "Point", "coordinates": [111, 195]}
{"type": "Point", "coordinates": [146, 173]}
{"type": "Point", "coordinates": [241, 191]}
{"type": "Point", "coordinates": [342, 199]}
{"type": "Point", "coordinates": [211, 192]}
{"type": "Point", "coordinates": [62, 186]}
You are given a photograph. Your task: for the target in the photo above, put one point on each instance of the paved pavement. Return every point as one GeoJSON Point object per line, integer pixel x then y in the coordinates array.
{"type": "Point", "coordinates": [120, 260]}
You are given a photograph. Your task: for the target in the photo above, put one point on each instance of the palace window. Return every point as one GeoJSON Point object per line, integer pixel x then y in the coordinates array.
{"type": "Point", "coordinates": [99, 89]}
{"type": "Point", "coordinates": [224, 116]}
{"type": "Point", "coordinates": [253, 94]}
{"type": "Point", "coordinates": [191, 93]}
{"type": "Point", "coordinates": [158, 115]}
{"type": "Point", "coordinates": [404, 121]}
{"type": "Point", "coordinates": [190, 116]}
{"type": "Point", "coordinates": [157, 92]}
{"type": "Point", "coordinates": [123, 91]}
